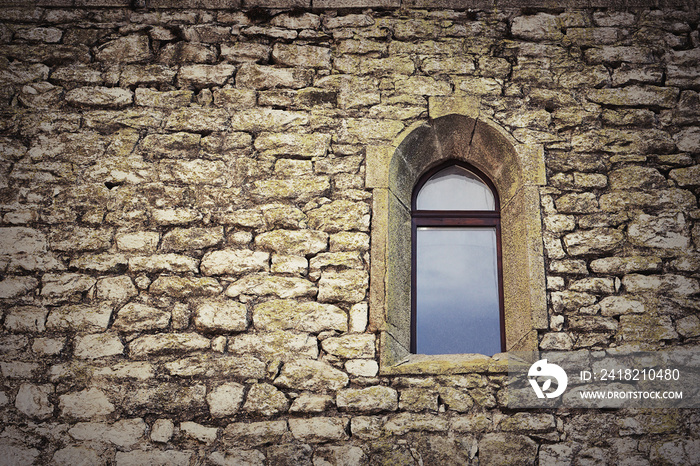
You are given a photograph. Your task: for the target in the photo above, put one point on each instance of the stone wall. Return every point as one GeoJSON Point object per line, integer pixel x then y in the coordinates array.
{"type": "Point", "coordinates": [185, 227]}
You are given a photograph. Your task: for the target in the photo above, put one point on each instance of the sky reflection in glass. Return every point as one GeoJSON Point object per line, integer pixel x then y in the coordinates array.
{"type": "Point", "coordinates": [455, 188]}
{"type": "Point", "coordinates": [457, 309]}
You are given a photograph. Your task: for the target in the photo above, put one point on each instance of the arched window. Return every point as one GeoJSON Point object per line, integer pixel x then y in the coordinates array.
{"type": "Point", "coordinates": [457, 292]}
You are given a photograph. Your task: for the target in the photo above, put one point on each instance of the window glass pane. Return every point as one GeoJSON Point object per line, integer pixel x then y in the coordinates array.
{"type": "Point", "coordinates": [455, 188]}
{"type": "Point", "coordinates": [457, 308]}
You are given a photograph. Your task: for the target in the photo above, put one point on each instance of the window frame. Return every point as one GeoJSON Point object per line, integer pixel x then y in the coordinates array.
{"type": "Point", "coordinates": [455, 218]}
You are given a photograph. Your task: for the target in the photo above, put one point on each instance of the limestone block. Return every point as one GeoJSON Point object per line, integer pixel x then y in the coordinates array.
{"type": "Point", "coordinates": [117, 290]}
{"type": "Point", "coordinates": [225, 400]}
{"type": "Point", "coordinates": [336, 260]}
{"type": "Point", "coordinates": [124, 433]}
{"type": "Point", "coordinates": [400, 424]}
{"type": "Point", "coordinates": [173, 263]}
{"type": "Point", "coordinates": [21, 240]}
{"type": "Point", "coordinates": [100, 97]}
{"type": "Point", "coordinates": [259, 77]}
{"type": "Point", "coordinates": [307, 374]}
{"type": "Point", "coordinates": [346, 286]}
{"type": "Point", "coordinates": [303, 56]}
{"type": "Point", "coordinates": [576, 267]}
{"type": "Point", "coordinates": [265, 400]}
{"type": "Point", "coordinates": [528, 422]}
{"type": "Point", "coordinates": [26, 319]}
{"type": "Point", "coordinates": [636, 178]}
{"type": "Point", "coordinates": [15, 287]}
{"type": "Point", "coordinates": [19, 370]}
{"type": "Point", "coordinates": [47, 346]}
{"type": "Point", "coordinates": [458, 400]}
{"type": "Point", "coordinates": [166, 343]}
{"type": "Point", "coordinates": [20, 73]}
{"type": "Point", "coordinates": [247, 218]}
{"type": "Point", "coordinates": [129, 49]}
{"type": "Point", "coordinates": [418, 399]}
{"type": "Point", "coordinates": [688, 140]}
{"type": "Point", "coordinates": [358, 317]}
{"type": "Point", "coordinates": [599, 285]}
{"type": "Point", "coordinates": [199, 76]}
{"type": "Point", "coordinates": [237, 456]}
{"type": "Point", "coordinates": [143, 241]}
{"type": "Point", "coordinates": [290, 314]}
{"type": "Point", "coordinates": [421, 85]}
{"type": "Point", "coordinates": [182, 239]}
{"type": "Point", "coordinates": [80, 239]}
{"type": "Point", "coordinates": [33, 400]}
{"type": "Point", "coordinates": [366, 130]}
{"type": "Point", "coordinates": [367, 427]}
{"type": "Point", "coordinates": [350, 346]}
{"type": "Point", "coordinates": [17, 453]}
{"type": "Point", "coordinates": [199, 432]}
{"type": "Point", "coordinates": [688, 326]}
{"type": "Point", "coordinates": [686, 176]}
{"type": "Point", "coordinates": [151, 74]}
{"type": "Point", "coordinates": [303, 145]}
{"type": "Point", "coordinates": [185, 286]}
{"type": "Point", "coordinates": [221, 316]}
{"type": "Point", "coordinates": [592, 324]}
{"type": "Point", "coordinates": [266, 285]}
{"type": "Point", "coordinates": [172, 145]}
{"type": "Point", "coordinates": [319, 429]}
{"type": "Point", "coordinates": [663, 232]}
{"type": "Point", "coordinates": [207, 34]}
{"type": "Point", "coordinates": [185, 53]}
{"type": "Point", "coordinates": [571, 300]}
{"type": "Point", "coordinates": [506, 448]}
{"type": "Point", "coordinates": [371, 399]}
{"type": "Point", "coordinates": [265, 119]}
{"type": "Point", "coordinates": [348, 455]}
{"type": "Point", "coordinates": [136, 317]}
{"type": "Point", "coordinates": [244, 52]}
{"type": "Point", "coordinates": [274, 32]}
{"type": "Point", "coordinates": [350, 20]}
{"type": "Point", "coordinates": [235, 98]}
{"type": "Point", "coordinates": [302, 21]}
{"type": "Point", "coordinates": [646, 328]}
{"type": "Point", "coordinates": [297, 242]}
{"type": "Point", "coordinates": [595, 241]}
{"type": "Point", "coordinates": [98, 345]}
{"type": "Point", "coordinates": [79, 317]}
{"type": "Point", "coordinates": [276, 344]}
{"type": "Point", "coordinates": [289, 265]}
{"type": "Point", "coordinates": [234, 262]}
{"type": "Point", "coordinates": [209, 365]}
{"type": "Point", "coordinates": [340, 215]}
{"type": "Point", "coordinates": [72, 455]}
{"type": "Point", "coordinates": [618, 305]}
{"type": "Point", "coordinates": [556, 341]}
{"type": "Point", "coordinates": [252, 434]}
{"type": "Point", "coordinates": [40, 95]}
{"type": "Point", "coordinates": [162, 430]}
{"type": "Point", "coordinates": [623, 265]}
{"type": "Point", "coordinates": [103, 263]}
{"type": "Point", "coordinates": [85, 404]}
{"type": "Point", "coordinates": [661, 284]}
{"type": "Point", "coordinates": [193, 119]}
{"type": "Point", "coordinates": [310, 403]}
{"type": "Point", "coordinates": [283, 216]}
{"type": "Point", "coordinates": [139, 457]}
{"type": "Point", "coordinates": [362, 367]}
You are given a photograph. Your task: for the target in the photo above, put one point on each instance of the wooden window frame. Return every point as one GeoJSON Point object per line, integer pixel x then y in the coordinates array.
{"type": "Point", "coordinates": [455, 218]}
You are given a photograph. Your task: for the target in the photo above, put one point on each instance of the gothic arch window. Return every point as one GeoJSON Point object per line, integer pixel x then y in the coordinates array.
{"type": "Point", "coordinates": [457, 293]}
{"type": "Point", "coordinates": [513, 173]}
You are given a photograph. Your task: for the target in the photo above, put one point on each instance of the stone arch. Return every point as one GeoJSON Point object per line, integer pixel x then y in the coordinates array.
{"type": "Point", "coordinates": [516, 171]}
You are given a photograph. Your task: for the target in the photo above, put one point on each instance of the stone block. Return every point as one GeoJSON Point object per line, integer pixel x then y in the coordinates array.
{"type": "Point", "coordinates": [129, 49]}
{"type": "Point", "coordinates": [166, 343]}
{"type": "Point", "coordinates": [234, 262]}
{"type": "Point", "coordinates": [136, 317]}
{"type": "Point", "coordinates": [33, 400]}
{"type": "Point", "coordinates": [172, 263]}
{"type": "Point", "coordinates": [199, 432]}
{"type": "Point", "coordinates": [340, 215]}
{"type": "Point", "coordinates": [319, 429]}
{"type": "Point", "coordinates": [220, 316]}
{"type": "Point", "coordinates": [138, 457]}
{"type": "Point", "coordinates": [80, 318]}
{"type": "Point", "coordinates": [350, 346]}
{"type": "Point", "coordinates": [255, 76]}
{"type": "Point", "coordinates": [26, 319]}
{"type": "Point", "coordinates": [185, 286]}
{"type": "Point", "coordinates": [265, 400]}
{"type": "Point", "coordinates": [506, 448]}
{"type": "Point", "coordinates": [200, 76]}
{"type": "Point", "coordinates": [253, 434]}
{"type": "Point", "coordinates": [99, 345]}
{"type": "Point", "coordinates": [302, 56]}
{"type": "Point", "coordinates": [290, 314]}
{"type": "Point", "coordinates": [298, 144]}
{"type": "Point", "coordinates": [345, 286]}
{"type": "Point", "coordinates": [276, 344]}
{"type": "Point", "coordinates": [307, 374]}
{"type": "Point", "coordinates": [596, 241]}
{"type": "Point", "coordinates": [86, 404]}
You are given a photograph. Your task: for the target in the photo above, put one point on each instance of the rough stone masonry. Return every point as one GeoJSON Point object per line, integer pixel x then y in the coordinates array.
{"type": "Point", "coordinates": [185, 227]}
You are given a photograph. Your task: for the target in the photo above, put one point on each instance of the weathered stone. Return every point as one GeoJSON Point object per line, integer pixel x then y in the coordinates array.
{"type": "Point", "coordinates": [265, 400]}
{"type": "Point", "coordinates": [688, 140]}
{"type": "Point", "coordinates": [667, 233]}
{"type": "Point", "coordinates": [245, 52]}
{"type": "Point", "coordinates": [669, 199]}
{"type": "Point", "coordinates": [269, 77]}
{"type": "Point", "coordinates": [81, 318]}
{"type": "Point", "coordinates": [305, 316]}
{"type": "Point", "coordinates": [319, 429]}
{"type": "Point", "coordinates": [198, 431]}
{"type": "Point", "coordinates": [686, 176]}
{"type": "Point", "coordinates": [185, 287]}
{"type": "Point", "coordinates": [624, 265]}
{"type": "Point", "coordinates": [347, 286]}
{"type": "Point", "coordinates": [264, 119]}
{"type": "Point", "coordinates": [271, 345]}
{"type": "Point", "coordinates": [209, 365]}
{"type": "Point", "coordinates": [254, 434]}
{"type": "Point", "coordinates": [98, 345]}
{"type": "Point", "coordinates": [72, 455]}
{"type": "Point", "coordinates": [137, 457]}
{"type": "Point", "coordinates": [234, 262]}
{"type": "Point", "coordinates": [145, 241]}
{"type": "Point", "coordinates": [136, 317]}
{"type": "Point", "coordinates": [64, 287]}
{"type": "Point", "coordinates": [163, 263]}
{"type": "Point", "coordinates": [541, 26]}
{"type": "Point", "coordinates": [162, 430]}
{"type": "Point", "coordinates": [124, 433]}
{"type": "Point", "coordinates": [306, 374]}
{"type": "Point", "coordinates": [636, 178]}
{"type": "Point", "coordinates": [618, 305]}
{"type": "Point", "coordinates": [81, 239]}
{"type": "Point", "coordinates": [26, 319]}
{"type": "Point", "coordinates": [221, 316]}
{"type": "Point", "coordinates": [303, 145]}
{"type": "Point", "coordinates": [310, 403]}
{"type": "Point", "coordinates": [504, 448]}
{"type": "Point", "coordinates": [340, 216]}
{"type": "Point", "coordinates": [571, 300]}
{"type": "Point", "coordinates": [299, 242]}
{"type": "Point", "coordinates": [304, 56]}
{"type": "Point", "coordinates": [371, 399]}
{"type": "Point", "coordinates": [129, 49]}
{"type": "Point", "coordinates": [33, 400]}
{"type": "Point", "coordinates": [265, 285]}
{"type": "Point", "coordinates": [362, 367]}
{"type": "Point", "coordinates": [235, 98]}
{"type": "Point", "coordinates": [418, 399]}
{"type": "Point", "coordinates": [646, 328]}
{"type": "Point", "coordinates": [116, 290]}
{"type": "Point", "coordinates": [596, 241]}
{"type": "Point", "coordinates": [102, 263]}
{"type": "Point", "coordinates": [577, 203]}
{"type": "Point", "coordinates": [167, 343]}
{"type": "Point", "coordinates": [296, 188]}
{"type": "Point", "coordinates": [400, 424]}
{"type": "Point", "coordinates": [86, 404]}
{"type": "Point", "coordinates": [15, 287]}
{"type": "Point", "coordinates": [661, 284]}
{"type": "Point", "coordinates": [350, 346]}
{"type": "Point", "coordinates": [556, 341]}
{"type": "Point", "coordinates": [100, 97]}
{"type": "Point", "coordinates": [146, 74]}
{"type": "Point", "coordinates": [688, 326]}
{"type": "Point", "coordinates": [199, 76]}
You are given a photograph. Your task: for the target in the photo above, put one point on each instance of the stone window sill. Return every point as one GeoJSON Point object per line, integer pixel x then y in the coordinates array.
{"type": "Point", "coordinates": [444, 364]}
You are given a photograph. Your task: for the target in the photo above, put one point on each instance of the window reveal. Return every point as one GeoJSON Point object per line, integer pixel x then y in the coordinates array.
{"type": "Point", "coordinates": [457, 298]}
